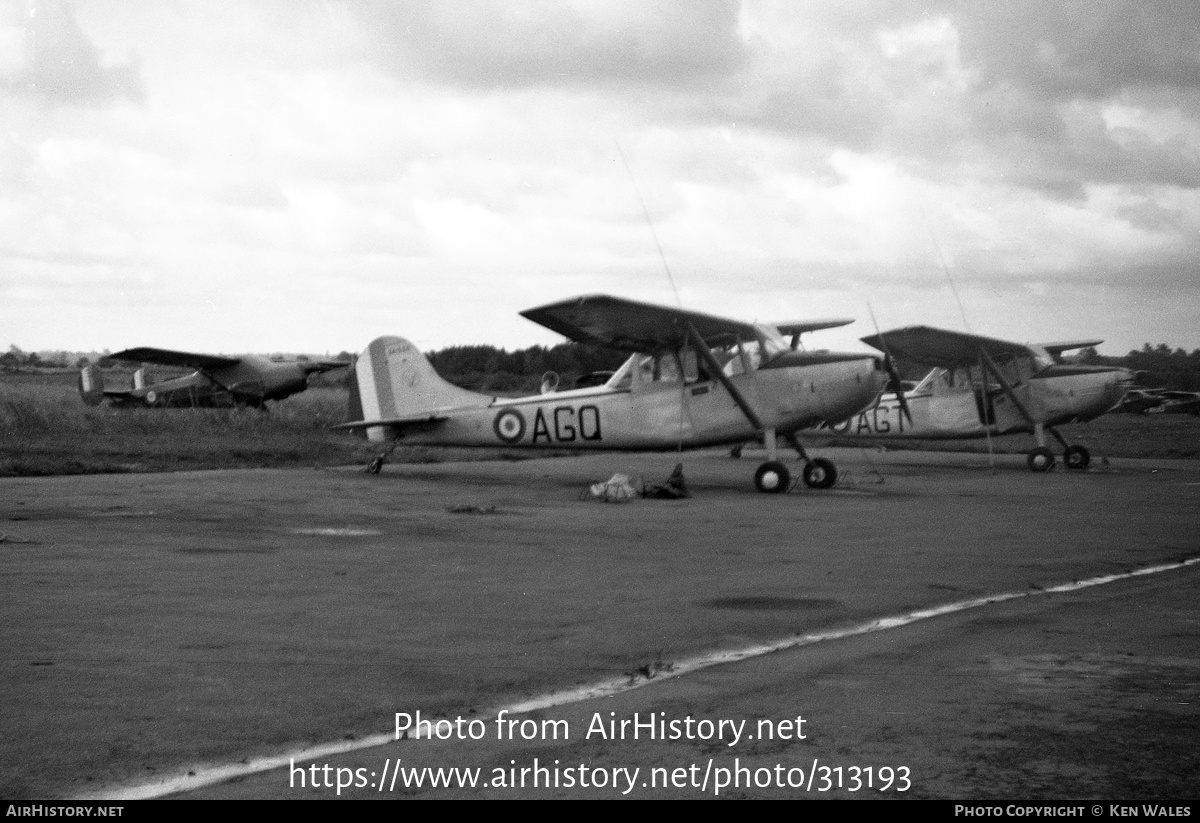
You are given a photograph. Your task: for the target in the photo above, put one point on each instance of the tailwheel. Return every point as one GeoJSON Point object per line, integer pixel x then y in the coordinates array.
{"type": "Point", "coordinates": [375, 466]}
{"type": "Point", "coordinates": [820, 474]}
{"type": "Point", "coordinates": [1076, 457]}
{"type": "Point", "coordinates": [772, 477]}
{"type": "Point", "coordinates": [1040, 459]}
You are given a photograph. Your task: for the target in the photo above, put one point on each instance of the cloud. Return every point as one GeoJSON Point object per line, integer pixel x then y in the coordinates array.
{"type": "Point", "coordinates": [489, 44]}
{"type": "Point", "coordinates": [62, 66]}
{"type": "Point", "coordinates": [1065, 51]}
{"type": "Point", "coordinates": [1015, 93]}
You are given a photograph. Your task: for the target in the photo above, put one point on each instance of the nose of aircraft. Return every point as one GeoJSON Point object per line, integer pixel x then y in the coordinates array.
{"type": "Point", "coordinates": [881, 374]}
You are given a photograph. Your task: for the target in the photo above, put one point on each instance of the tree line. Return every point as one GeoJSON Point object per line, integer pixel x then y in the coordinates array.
{"type": "Point", "coordinates": [491, 369]}
{"type": "Point", "coordinates": [488, 369]}
{"type": "Point", "coordinates": [1159, 367]}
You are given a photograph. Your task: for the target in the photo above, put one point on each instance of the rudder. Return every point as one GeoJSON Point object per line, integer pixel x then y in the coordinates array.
{"type": "Point", "coordinates": [91, 385]}
{"type": "Point", "coordinates": [394, 381]}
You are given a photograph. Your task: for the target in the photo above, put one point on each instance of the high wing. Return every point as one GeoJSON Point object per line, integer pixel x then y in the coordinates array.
{"type": "Point", "coordinates": [636, 327]}
{"type": "Point", "coordinates": [803, 326]}
{"type": "Point", "coordinates": [320, 366]}
{"type": "Point", "coordinates": [945, 349]}
{"type": "Point", "coordinates": [1069, 345]}
{"type": "Point", "coordinates": [166, 357]}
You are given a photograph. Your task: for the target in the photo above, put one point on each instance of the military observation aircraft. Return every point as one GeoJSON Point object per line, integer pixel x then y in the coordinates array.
{"type": "Point", "coordinates": [981, 386]}
{"type": "Point", "coordinates": [219, 380]}
{"type": "Point", "coordinates": [691, 380]}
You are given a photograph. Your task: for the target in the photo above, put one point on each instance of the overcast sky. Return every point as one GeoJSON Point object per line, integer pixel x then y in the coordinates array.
{"type": "Point", "coordinates": [282, 175]}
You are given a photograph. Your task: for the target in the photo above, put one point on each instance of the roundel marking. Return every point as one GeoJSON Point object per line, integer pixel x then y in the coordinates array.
{"type": "Point", "coordinates": [151, 397]}
{"type": "Point", "coordinates": [509, 425]}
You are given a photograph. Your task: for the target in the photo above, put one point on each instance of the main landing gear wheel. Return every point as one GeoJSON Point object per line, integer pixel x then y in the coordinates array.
{"type": "Point", "coordinates": [1076, 457]}
{"type": "Point", "coordinates": [819, 474]}
{"type": "Point", "coordinates": [1040, 460]}
{"type": "Point", "coordinates": [772, 477]}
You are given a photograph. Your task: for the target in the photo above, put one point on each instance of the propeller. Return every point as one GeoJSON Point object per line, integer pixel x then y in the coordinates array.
{"type": "Point", "coordinates": [895, 384]}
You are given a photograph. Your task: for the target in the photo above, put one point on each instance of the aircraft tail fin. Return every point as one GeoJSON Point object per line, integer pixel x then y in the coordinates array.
{"type": "Point", "coordinates": [355, 405]}
{"type": "Point", "coordinates": [91, 385]}
{"type": "Point", "coordinates": [393, 380]}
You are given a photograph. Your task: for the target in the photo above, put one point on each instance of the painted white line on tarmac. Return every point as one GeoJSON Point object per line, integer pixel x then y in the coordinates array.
{"type": "Point", "coordinates": [201, 776]}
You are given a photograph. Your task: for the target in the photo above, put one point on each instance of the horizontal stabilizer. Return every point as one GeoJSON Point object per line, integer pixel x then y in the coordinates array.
{"type": "Point", "coordinates": [431, 419]}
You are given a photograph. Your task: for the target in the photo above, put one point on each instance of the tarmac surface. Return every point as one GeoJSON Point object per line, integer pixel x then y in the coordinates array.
{"type": "Point", "coordinates": [157, 625]}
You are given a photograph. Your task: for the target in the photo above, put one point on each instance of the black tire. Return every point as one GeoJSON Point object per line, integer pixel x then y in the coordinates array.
{"type": "Point", "coordinates": [1076, 457]}
{"type": "Point", "coordinates": [1040, 460]}
{"type": "Point", "coordinates": [820, 474]}
{"type": "Point", "coordinates": [772, 477]}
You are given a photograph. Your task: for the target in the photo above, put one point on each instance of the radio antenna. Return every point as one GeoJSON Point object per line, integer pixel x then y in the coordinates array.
{"type": "Point", "coordinates": [946, 269]}
{"type": "Point", "coordinates": [649, 222]}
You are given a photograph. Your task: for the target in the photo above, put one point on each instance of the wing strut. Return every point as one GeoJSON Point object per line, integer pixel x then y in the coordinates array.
{"type": "Point", "coordinates": [719, 373]}
{"type": "Point", "coordinates": [990, 366]}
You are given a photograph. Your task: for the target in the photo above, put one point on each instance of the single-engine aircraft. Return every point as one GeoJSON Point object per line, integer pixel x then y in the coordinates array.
{"type": "Point", "coordinates": [691, 380]}
{"type": "Point", "coordinates": [219, 380]}
{"type": "Point", "coordinates": [981, 386]}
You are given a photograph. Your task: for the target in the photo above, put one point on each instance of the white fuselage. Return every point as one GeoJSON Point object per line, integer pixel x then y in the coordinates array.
{"type": "Point", "coordinates": [648, 405]}
{"type": "Point", "coordinates": [949, 403]}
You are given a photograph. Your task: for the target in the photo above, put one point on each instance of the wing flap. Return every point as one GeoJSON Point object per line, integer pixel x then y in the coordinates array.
{"type": "Point", "coordinates": [168, 357]}
{"type": "Point", "coordinates": [628, 325]}
{"type": "Point", "coordinates": [942, 348]}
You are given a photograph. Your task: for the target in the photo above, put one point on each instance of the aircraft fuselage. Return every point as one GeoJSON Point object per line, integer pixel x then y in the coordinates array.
{"type": "Point", "coordinates": [665, 414]}
{"type": "Point", "coordinates": [251, 381]}
{"type": "Point", "coordinates": [950, 403]}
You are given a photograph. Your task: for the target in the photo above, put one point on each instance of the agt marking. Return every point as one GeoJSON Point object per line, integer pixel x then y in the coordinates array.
{"type": "Point", "coordinates": [872, 421]}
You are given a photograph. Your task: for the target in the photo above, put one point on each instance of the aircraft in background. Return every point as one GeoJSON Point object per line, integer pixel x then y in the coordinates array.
{"type": "Point", "coordinates": [218, 380]}
{"type": "Point", "coordinates": [1178, 402]}
{"type": "Point", "coordinates": [1159, 401]}
{"type": "Point", "coordinates": [980, 386]}
{"type": "Point", "coordinates": [691, 380]}
{"type": "Point", "coordinates": [1137, 401]}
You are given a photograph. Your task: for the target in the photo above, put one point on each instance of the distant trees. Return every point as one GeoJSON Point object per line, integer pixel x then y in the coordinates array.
{"type": "Point", "coordinates": [12, 359]}
{"type": "Point", "coordinates": [16, 360]}
{"type": "Point", "coordinates": [1158, 367]}
{"type": "Point", "coordinates": [486, 368]}
{"type": "Point", "coordinates": [1164, 368]}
